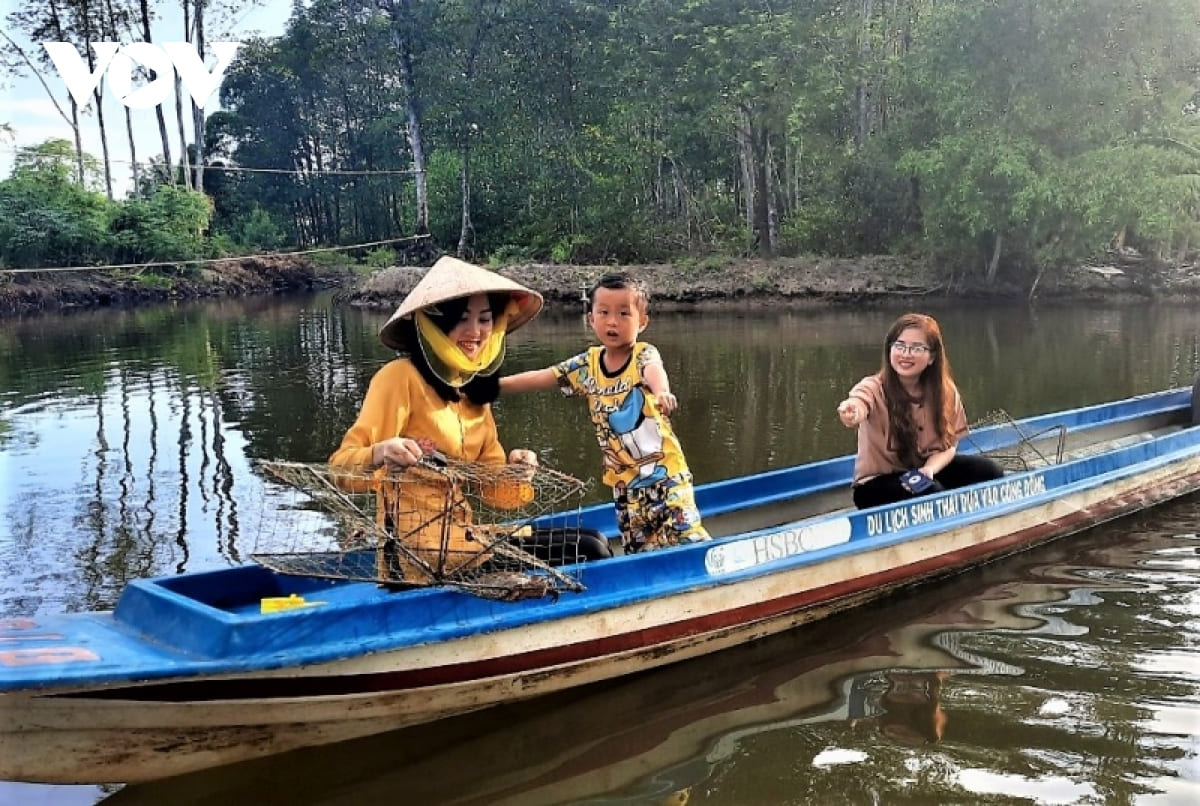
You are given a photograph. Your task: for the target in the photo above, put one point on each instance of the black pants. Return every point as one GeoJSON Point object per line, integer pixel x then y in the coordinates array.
{"type": "Point", "coordinates": [962, 471]}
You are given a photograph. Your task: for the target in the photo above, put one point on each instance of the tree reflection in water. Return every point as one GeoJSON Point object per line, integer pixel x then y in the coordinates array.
{"type": "Point", "coordinates": [131, 452]}
{"type": "Point", "coordinates": [964, 690]}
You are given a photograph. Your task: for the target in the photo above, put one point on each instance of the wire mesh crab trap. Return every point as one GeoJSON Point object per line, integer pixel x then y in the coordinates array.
{"type": "Point", "coordinates": [439, 522]}
{"type": "Point", "coordinates": [1014, 447]}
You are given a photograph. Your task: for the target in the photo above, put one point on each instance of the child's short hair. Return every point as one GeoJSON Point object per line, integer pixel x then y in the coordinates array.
{"type": "Point", "coordinates": [616, 281]}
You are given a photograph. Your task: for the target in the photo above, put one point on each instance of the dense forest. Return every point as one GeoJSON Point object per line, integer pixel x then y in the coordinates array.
{"type": "Point", "coordinates": [1003, 138]}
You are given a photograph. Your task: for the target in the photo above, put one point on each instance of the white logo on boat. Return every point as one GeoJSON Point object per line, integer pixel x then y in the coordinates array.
{"type": "Point", "coordinates": [737, 556]}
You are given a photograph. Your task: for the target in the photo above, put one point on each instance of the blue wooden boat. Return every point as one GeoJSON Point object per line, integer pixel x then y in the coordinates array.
{"type": "Point", "coordinates": [188, 672]}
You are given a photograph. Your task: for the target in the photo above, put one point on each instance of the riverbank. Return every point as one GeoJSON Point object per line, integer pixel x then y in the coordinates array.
{"type": "Point", "coordinates": [32, 293]}
{"type": "Point", "coordinates": [685, 284]}
{"type": "Point", "coordinates": [812, 281]}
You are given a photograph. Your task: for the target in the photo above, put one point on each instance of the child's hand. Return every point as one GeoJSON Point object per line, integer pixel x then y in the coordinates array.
{"type": "Point", "coordinates": [666, 402]}
{"type": "Point", "coordinates": [522, 456]}
{"type": "Point", "coordinates": [521, 463]}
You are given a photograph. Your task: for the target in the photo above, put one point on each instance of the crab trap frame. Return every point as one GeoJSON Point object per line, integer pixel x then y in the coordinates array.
{"type": "Point", "coordinates": [439, 522]}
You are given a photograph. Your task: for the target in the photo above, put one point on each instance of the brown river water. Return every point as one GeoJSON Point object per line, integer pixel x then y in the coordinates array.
{"type": "Point", "coordinates": [1069, 674]}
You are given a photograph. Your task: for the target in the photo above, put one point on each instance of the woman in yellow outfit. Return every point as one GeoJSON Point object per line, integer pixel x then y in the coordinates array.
{"type": "Point", "coordinates": [436, 396]}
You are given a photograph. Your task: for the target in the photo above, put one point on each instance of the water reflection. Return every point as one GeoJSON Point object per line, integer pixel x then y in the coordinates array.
{"type": "Point", "coordinates": [128, 448]}
{"type": "Point", "coordinates": [136, 443]}
{"type": "Point", "coordinates": [121, 480]}
{"type": "Point", "coordinates": [971, 690]}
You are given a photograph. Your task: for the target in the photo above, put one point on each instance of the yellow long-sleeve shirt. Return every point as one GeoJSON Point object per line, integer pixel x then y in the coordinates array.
{"type": "Point", "coordinates": [399, 403]}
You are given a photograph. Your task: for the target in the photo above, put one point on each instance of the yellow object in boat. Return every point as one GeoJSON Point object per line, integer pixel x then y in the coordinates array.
{"type": "Point", "coordinates": [274, 604]}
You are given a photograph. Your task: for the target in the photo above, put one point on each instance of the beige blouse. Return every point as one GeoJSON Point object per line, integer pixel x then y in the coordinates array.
{"type": "Point", "coordinates": [874, 458]}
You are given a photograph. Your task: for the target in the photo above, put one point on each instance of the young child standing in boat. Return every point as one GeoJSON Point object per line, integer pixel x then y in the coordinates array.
{"type": "Point", "coordinates": [910, 418]}
{"type": "Point", "coordinates": [629, 397]}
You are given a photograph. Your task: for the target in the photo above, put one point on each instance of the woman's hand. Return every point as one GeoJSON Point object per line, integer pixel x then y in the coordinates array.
{"type": "Point", "coordinates": [396, 452]}
{"type": "Point", "coordinates": [851, 412]}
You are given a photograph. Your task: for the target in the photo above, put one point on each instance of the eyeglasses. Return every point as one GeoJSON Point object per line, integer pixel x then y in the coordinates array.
{"type": "Point", "coordinates": [911, 349]}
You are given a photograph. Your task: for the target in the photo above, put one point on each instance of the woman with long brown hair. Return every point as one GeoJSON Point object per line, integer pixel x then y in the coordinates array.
{"type": "Point", "coordinates": [910, 418]}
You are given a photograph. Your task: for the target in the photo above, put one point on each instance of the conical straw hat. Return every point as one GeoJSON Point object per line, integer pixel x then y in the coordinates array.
{"type": "Point", "coordinates": [451, 278]}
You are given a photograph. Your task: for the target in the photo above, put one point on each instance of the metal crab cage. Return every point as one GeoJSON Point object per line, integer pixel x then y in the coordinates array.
{"type": "Point", "coordinates": [1017, 448]}
{"type": "Point", "coordinates": [439, 522]}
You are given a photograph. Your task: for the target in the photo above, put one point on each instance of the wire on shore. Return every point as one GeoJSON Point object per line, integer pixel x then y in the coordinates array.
{"type": "Point", "coordinates": [217, 166]}
{"type": "Point", "coordinates": [207, 261]}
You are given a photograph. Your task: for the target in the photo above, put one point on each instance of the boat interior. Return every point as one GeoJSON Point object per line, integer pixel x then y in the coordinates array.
{"type": "Point", "coordinates": [1016, 446]}
{"type": "Point", "coordinates": [730, 507]}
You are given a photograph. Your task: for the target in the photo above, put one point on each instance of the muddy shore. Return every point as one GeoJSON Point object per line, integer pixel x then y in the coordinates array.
{"type": "Point", "coordinates": [693, 283]}
{"type": "Point", "coordinates": [807, 282]}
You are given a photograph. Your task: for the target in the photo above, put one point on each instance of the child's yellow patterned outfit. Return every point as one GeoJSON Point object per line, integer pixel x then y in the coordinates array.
{"type": "Point", "coordinates": [643, 462]}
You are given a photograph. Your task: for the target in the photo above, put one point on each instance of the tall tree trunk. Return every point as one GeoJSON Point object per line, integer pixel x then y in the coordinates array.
{"type": "Point", "coordinates": [994, 263]}
{"type": "Point", "coordinates": [322, 211]}
{"type": "Point", "coordinates": [144, 8]}
{"type": "Point", "coordinates": [862, 91]}
{"type": "Point", "coordinates": [137, 175]}
{"type": "Point", "coordinates": [185, 169]}
{"type": "Point", "coordinates": [334, 199]}
{"type": "Point", "coordinates": [762, 224]}
{"type": "Point", "coordinates": [197, 109]}
{"type": "Point", "coordinates": [103, 142]}
{"type": "Point", "coordinates": [56, 26]}
{"type": "Point", "coordinates": [358, 194]}
{"type": "Point", "coordinates": [118, 23]}
{"type": "Point", "coordinates": [484, 20]}
{"type": "Point", "coordinates": [318, 209]}
{"type": "Point", "coordinates": [85, 12]}
{"type": "Point", "coordinates": [403, 30]}
{"type": "Point", "coordinates": [746, 163]}
{"type": "Point", "coordinates": [86, 22]}
{"type": "Point", "coordinates": [773, 196]}
{"type": "Point", "coordinates": [78, 141]}
{"type": "Point", "coordinates": [113, 24]}
{"type": "Point", "coordinates": [464, 229]}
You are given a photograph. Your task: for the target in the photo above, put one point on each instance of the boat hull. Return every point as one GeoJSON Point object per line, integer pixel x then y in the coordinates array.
{"type": "Point", "coordinates": [735, 590]}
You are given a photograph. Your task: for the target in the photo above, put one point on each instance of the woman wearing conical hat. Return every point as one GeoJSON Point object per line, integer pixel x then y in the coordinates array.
{"type": "Point", "coordinates": [436, 396]}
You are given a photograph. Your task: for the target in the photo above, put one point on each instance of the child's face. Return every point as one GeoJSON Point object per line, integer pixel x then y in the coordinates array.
{"type": "Point", "coordinates": [616, 318]}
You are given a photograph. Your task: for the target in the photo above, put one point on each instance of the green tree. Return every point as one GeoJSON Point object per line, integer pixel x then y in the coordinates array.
{"type": "Point", "coordinates": [1019, 116]}
{"type": "Point", "coordinates": [48, 219]}
{"type": "Point", "coordinates": [169, 225]}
